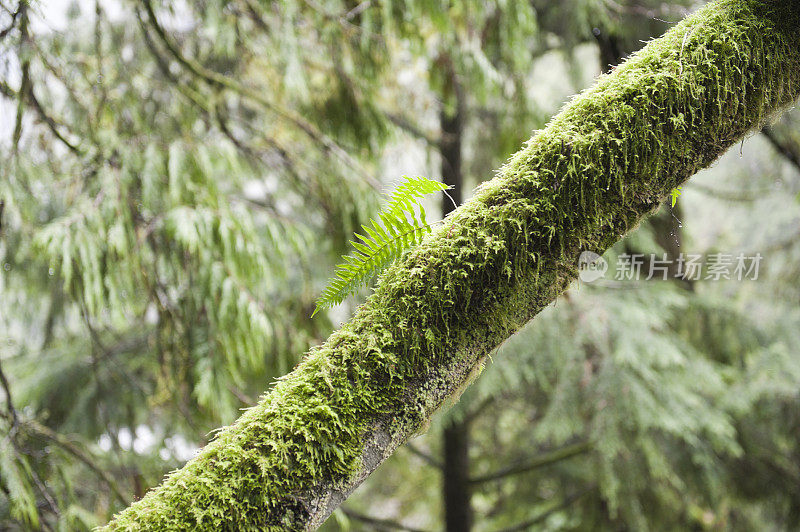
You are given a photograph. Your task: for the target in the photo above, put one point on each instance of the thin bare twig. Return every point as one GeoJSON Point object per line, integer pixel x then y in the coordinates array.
{"type": "Point", "coordinates": [425, 457]}
{"type": "Point", "coordinates": [782, 147]}
{"type": "Point", "coordinates": [526, 525]}
{"type": "Point", "coordinates": [12, 412]}
{"type": "Point", "coordinates": [379, 524]}
{"type": "Point", "coordinates": [544, 459]}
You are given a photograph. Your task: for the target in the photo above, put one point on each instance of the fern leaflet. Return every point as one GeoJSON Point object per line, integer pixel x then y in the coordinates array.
{"type": "Point", "coordinates": [675, 194]}
{"type": "Point", "coordinates": [398, 227]}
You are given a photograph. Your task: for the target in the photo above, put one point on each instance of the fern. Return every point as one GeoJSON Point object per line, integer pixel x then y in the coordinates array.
{"type": "Point", "coordinates": [675, 194]}
{"type": "Point", "coordinates": [397, 229]}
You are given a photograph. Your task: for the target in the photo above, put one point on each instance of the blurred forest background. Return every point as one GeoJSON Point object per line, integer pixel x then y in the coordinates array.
{"type": "Point", "coordinates": [179, 179]}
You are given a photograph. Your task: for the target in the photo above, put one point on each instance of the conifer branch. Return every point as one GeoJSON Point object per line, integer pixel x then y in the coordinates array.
{"type": "Point", "coordinates": [65, 444]}
{"type": "Point", "coordinates": [219, 80]}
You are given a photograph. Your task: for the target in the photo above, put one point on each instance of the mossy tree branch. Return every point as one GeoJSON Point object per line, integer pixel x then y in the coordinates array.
{"type": "Point", "coordinates": [607, 160]}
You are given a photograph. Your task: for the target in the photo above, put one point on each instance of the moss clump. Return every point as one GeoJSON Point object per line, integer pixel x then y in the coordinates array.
{"type": "Point", "coordinates": [609, 158]}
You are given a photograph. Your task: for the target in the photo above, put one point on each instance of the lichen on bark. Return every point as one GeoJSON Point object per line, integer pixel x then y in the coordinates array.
{"type": "Point", "coordinates": [610, 157]}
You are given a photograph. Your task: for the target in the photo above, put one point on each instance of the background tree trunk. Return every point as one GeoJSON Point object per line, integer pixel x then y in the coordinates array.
{"type": "Point", "coordinates": [608, 159]}
{"type": "Point", "coordinates": [455, 472]}
{"type": "Point", "coordinates": [457, 502]}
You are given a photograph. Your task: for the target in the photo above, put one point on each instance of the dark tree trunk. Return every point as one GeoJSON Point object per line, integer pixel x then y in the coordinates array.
{"type": "Point", "coordinates": [610, 52]}
{"type": "Point", "coordinates": [458, 509]}
{"type": "Point", "coordinates": [455, 484]}
{"type": "Point", "coordinates": [450, 148]}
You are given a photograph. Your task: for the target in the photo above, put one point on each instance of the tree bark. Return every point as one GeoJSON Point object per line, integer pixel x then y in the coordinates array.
{"type": "Point", "coordinates": [607, 160]}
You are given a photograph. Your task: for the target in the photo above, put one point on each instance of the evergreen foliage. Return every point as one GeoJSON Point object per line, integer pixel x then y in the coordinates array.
{"type": "Point", "coordinates": [501, 259]}
{"type": "Point", "coordinates": [179, 180]}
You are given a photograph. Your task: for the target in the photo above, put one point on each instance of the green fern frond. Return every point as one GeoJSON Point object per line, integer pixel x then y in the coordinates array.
{"type": "Point", "coordinates": [398, 227]}
{"type": "Point", "coordinates": [675, 194]}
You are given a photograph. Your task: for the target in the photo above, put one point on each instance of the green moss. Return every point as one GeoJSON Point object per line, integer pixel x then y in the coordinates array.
{"type": "Point", "coordinates": [610, 157]}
